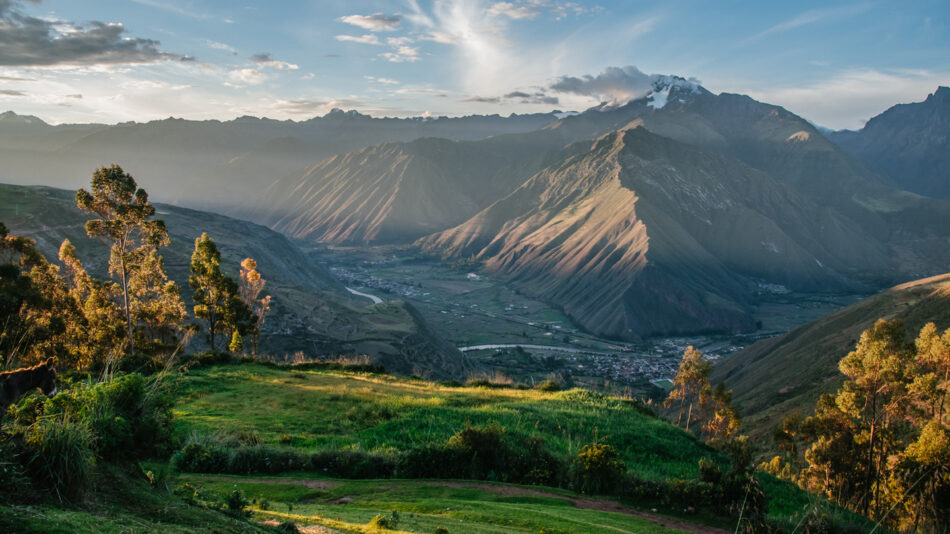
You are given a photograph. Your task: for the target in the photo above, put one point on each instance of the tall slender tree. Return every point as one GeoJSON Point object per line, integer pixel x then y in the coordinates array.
{"type": "Point", "coordinates": [251, 284]}
{"type": "Point", "coordinates": [125, 219]}
{"type": "Point", "coordinates": [216, 296]}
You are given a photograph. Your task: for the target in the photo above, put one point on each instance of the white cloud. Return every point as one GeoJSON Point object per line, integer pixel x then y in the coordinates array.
{"type": "Point", "coordinates": [384, 81]}
{"type": "Point", "coordinates": [246, 76]}
{"type": "Point", "coordinates": [402, 54]}
{"type": "Point", "coordinates": [264, 60]}
{"type": "Point", "coordinates": [369, 39]}
{"type": "Point", "coordinates": [377, 22]}
{"type": "Point", "coordinates": [514, 11]}
{"type": "Point", "coordinates": [849, 98]}
{"type": "Point", "coordinates": [220, 46]}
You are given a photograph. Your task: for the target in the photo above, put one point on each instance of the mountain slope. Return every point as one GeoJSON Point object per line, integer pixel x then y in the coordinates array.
{"type": "Point", "coordinates": [908, 142]}
{"type": "Point", "coordinates": [775, 376]}
{"type": "Point", "coordinates": [395, 192]}
{"type": "Point", "coordinates": [310, 310]}
{"type": "Point", "coordinates": [638, 235]}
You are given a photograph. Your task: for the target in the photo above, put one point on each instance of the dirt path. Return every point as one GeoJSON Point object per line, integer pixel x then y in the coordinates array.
{"type": "Point", "coordinates": [588, 504]}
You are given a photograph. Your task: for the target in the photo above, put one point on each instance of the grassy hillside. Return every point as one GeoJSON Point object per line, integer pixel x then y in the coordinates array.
{"type": "Point", "coordinates": [331, 410]}
{"type": "Point", "coordinates": [310, 310]}
{"type": "Point", "coordinates": [789, 372]}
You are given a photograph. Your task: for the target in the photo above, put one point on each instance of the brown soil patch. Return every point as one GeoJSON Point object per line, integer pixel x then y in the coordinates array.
{"type": "Point", "coordinates": [305, 529]}
{"type": "Point", "coordinates": [585, 503]}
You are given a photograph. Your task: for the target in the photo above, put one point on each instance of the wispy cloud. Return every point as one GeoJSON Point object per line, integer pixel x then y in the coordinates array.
{"type": "Point", "coordinates": [369, 39]}
{"type": "Point", "coordinates": [384, 81]}
{"type": "Point", "coordinates": [849, 98]}
{"type": "Point", "coordinates": [377, 22]}
{"type": "Point", "coordinates": [220, 46]}
{"type": "Point", "coordinates": [809, 17]}
{"type": "Point", "coordinates": [264, 60]}
{"type": "Point", "coordinates": [186, 11]}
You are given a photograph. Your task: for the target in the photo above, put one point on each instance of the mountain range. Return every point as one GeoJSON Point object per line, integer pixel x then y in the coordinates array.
{"type": "Point", "coordinates": [667, 215]}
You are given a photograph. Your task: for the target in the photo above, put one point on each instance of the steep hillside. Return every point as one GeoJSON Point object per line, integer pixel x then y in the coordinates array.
{"type": "Point", "coordinates": [908, 142]}
{"type": "Point", "coordinates": [789, 372]}
{"type": "Point", "coordinates": [638, 235]}
{"type": "Point", "coordinates": [310, 311]}
{"type": "Point", "coordinates": [396, 192]}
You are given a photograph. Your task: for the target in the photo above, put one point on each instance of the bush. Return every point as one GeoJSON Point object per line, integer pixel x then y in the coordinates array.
{"type": "Point", "coordinates": [61, 455]}
{"type": "Point", "coordinates": [383, 522]}
{"type": "Point", "coordinates": [548, 385]}
{"type": "Point", "coordinates": [236, 504]}
{"type": "Point", "coordinates": [597, 469]}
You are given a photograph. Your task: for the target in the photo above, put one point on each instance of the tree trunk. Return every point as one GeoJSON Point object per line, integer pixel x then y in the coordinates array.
{"type": "Point", "coordinates": [125, 301]}
{"type": "Point", "coordinates": [689, 416]}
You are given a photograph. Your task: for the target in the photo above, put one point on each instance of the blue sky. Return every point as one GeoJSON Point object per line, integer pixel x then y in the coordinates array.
{"type": "Point", "coordinates": [836, 64]}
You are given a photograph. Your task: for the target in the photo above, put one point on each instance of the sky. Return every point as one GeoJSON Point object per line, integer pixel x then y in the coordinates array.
{"type": "Point", "coordinates": [835, 63]}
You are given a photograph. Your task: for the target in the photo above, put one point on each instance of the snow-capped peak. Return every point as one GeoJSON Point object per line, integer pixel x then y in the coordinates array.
{"type": "Point", "coordinates": [663, 85]}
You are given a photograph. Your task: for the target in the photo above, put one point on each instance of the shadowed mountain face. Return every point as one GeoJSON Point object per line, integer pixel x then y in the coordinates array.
{"type": "Point", "coordinates": [637, 235]}
{"type": "Point", "coordinates": [908, 142]}
{"type": "Point", "coordinates": [310, 311]}
{"type": "Point", "coordinates": [776, 376]}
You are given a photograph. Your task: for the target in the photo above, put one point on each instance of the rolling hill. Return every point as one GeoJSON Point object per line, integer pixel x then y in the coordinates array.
{"type": "Point", "coordinates": [310, 311]}
{"type": "Point", "coordinates": [776, 376]}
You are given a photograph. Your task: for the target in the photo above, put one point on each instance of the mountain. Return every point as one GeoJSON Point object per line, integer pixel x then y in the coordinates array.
{"type": "Point", "coordinates": [218, 164]}
{"type": "Point", "coordinates": [396, 192]}
{"type": "Point", "coordinates": [310, 310]}
{"type": "Point", "coordinates": [776, 376]}
{"type": "Point", "coordinates": [908, 142]}
{"type": "Point", "coordinates": [637, 235]}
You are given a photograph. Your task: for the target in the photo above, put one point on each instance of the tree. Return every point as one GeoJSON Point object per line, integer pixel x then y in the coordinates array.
{"type": "Point", "coordinates": [690, 386]}
{"type": "Point", "coordinates": [124, 219]}
{"type": "Point", "coordinates": [237, 344]}
{"type": "Point", "coordinates": [873, 395]}
{"type": "Point", "coordinates": [99, 335]}
{"type": "Point", "coordinates": [17, 292]}
{"type": "Point", "coordinates": [156, 304]}
{"type": "Point", "coordinates": [251, 285]}
{"type": "Point", "coordinates": [216, 296]}
{"type": "Point", "coordinates": [724, 421]}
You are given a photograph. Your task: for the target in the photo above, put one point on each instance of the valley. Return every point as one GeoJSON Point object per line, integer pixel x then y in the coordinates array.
{"type": "Point", "coordinates": [487, 320]}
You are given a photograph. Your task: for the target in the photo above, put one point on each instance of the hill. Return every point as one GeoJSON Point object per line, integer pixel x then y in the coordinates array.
{"type": "Point", "coordinates": [353, 425]}
{"type": "Point", "coordinates": [908, 142]}
{"type": "Point", "coordinates": [779, 375]}
{"type": "Point", "coordinates": [310, 310]}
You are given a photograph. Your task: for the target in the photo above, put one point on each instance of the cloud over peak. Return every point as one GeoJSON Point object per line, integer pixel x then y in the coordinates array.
{"type": "Point", "coordinates": [617, 85]}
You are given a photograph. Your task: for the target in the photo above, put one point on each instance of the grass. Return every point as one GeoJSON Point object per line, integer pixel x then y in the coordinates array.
{"type": "Point", "coordinates": [335, 410]}
{"type": "Point", "coordinates": [121, 504]}
{"type": "Point", "coordinates": [424, 506]}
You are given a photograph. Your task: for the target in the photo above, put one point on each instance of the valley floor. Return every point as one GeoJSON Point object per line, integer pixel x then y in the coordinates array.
{"type": "Point", "coordinates": [488, 319]}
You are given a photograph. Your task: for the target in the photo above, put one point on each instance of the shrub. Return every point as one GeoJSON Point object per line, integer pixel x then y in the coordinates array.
{"type": "Point", "coordinates": [441, 530]}
{"type": "Point", "coordinates": [61, 455]}
{"type": "Point", "coordinates": [288, 527]}
{"type": "Point", "coordinates": [383, 522]}
{"type": "Point", "coordinates": [548, 385]}
{"type": "Point", "coordinates": [236, 504]}
{"type": "Point", "coordinates": [597, 469]}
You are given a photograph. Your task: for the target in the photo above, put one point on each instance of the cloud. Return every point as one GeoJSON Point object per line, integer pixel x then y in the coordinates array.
{"type": "Point", "coordinates": [514, 11]}
{"type": "Point", "coordinates": [246, 76]}
{"type": "Point", "coordinates": [377, 22]}
{"type": "Point", "coordinates": [220, 46]}
{"type": "Point", "coordinates": [529, 9]}
{"type": "Point", "coordinates": [313, 106]}
{"type": "Point", "coordinates": [402, 54]}
{"type": "Point", "coordinates": [811, 16]}
{"type": "Point", "coordinates": [11, 92]}
{"type": "Point", "coordinates": [369, 39]}
{"type": "Point", "coordinates": [264, 60]}
{"type": "Point", "coordinates": [616, 85]}
{"type": "Point", "coordinates": [30, 41]}
{"type": "Point", "coordinates": [165, 5]}
{"type": "Point", "coordinates": [519, 97]}
{"type": "Point", "coordinates": [849, 98]}
{"type": "Point", "coordinates": [384, 81]}
{"type": "Point", "coordinates": [483, 99]}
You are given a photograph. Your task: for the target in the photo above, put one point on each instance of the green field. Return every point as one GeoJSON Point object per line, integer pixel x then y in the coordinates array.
{"type": "Point", "coordinates": [332, 410]}
{"type": "Point", "coordinates": [422, 506]}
